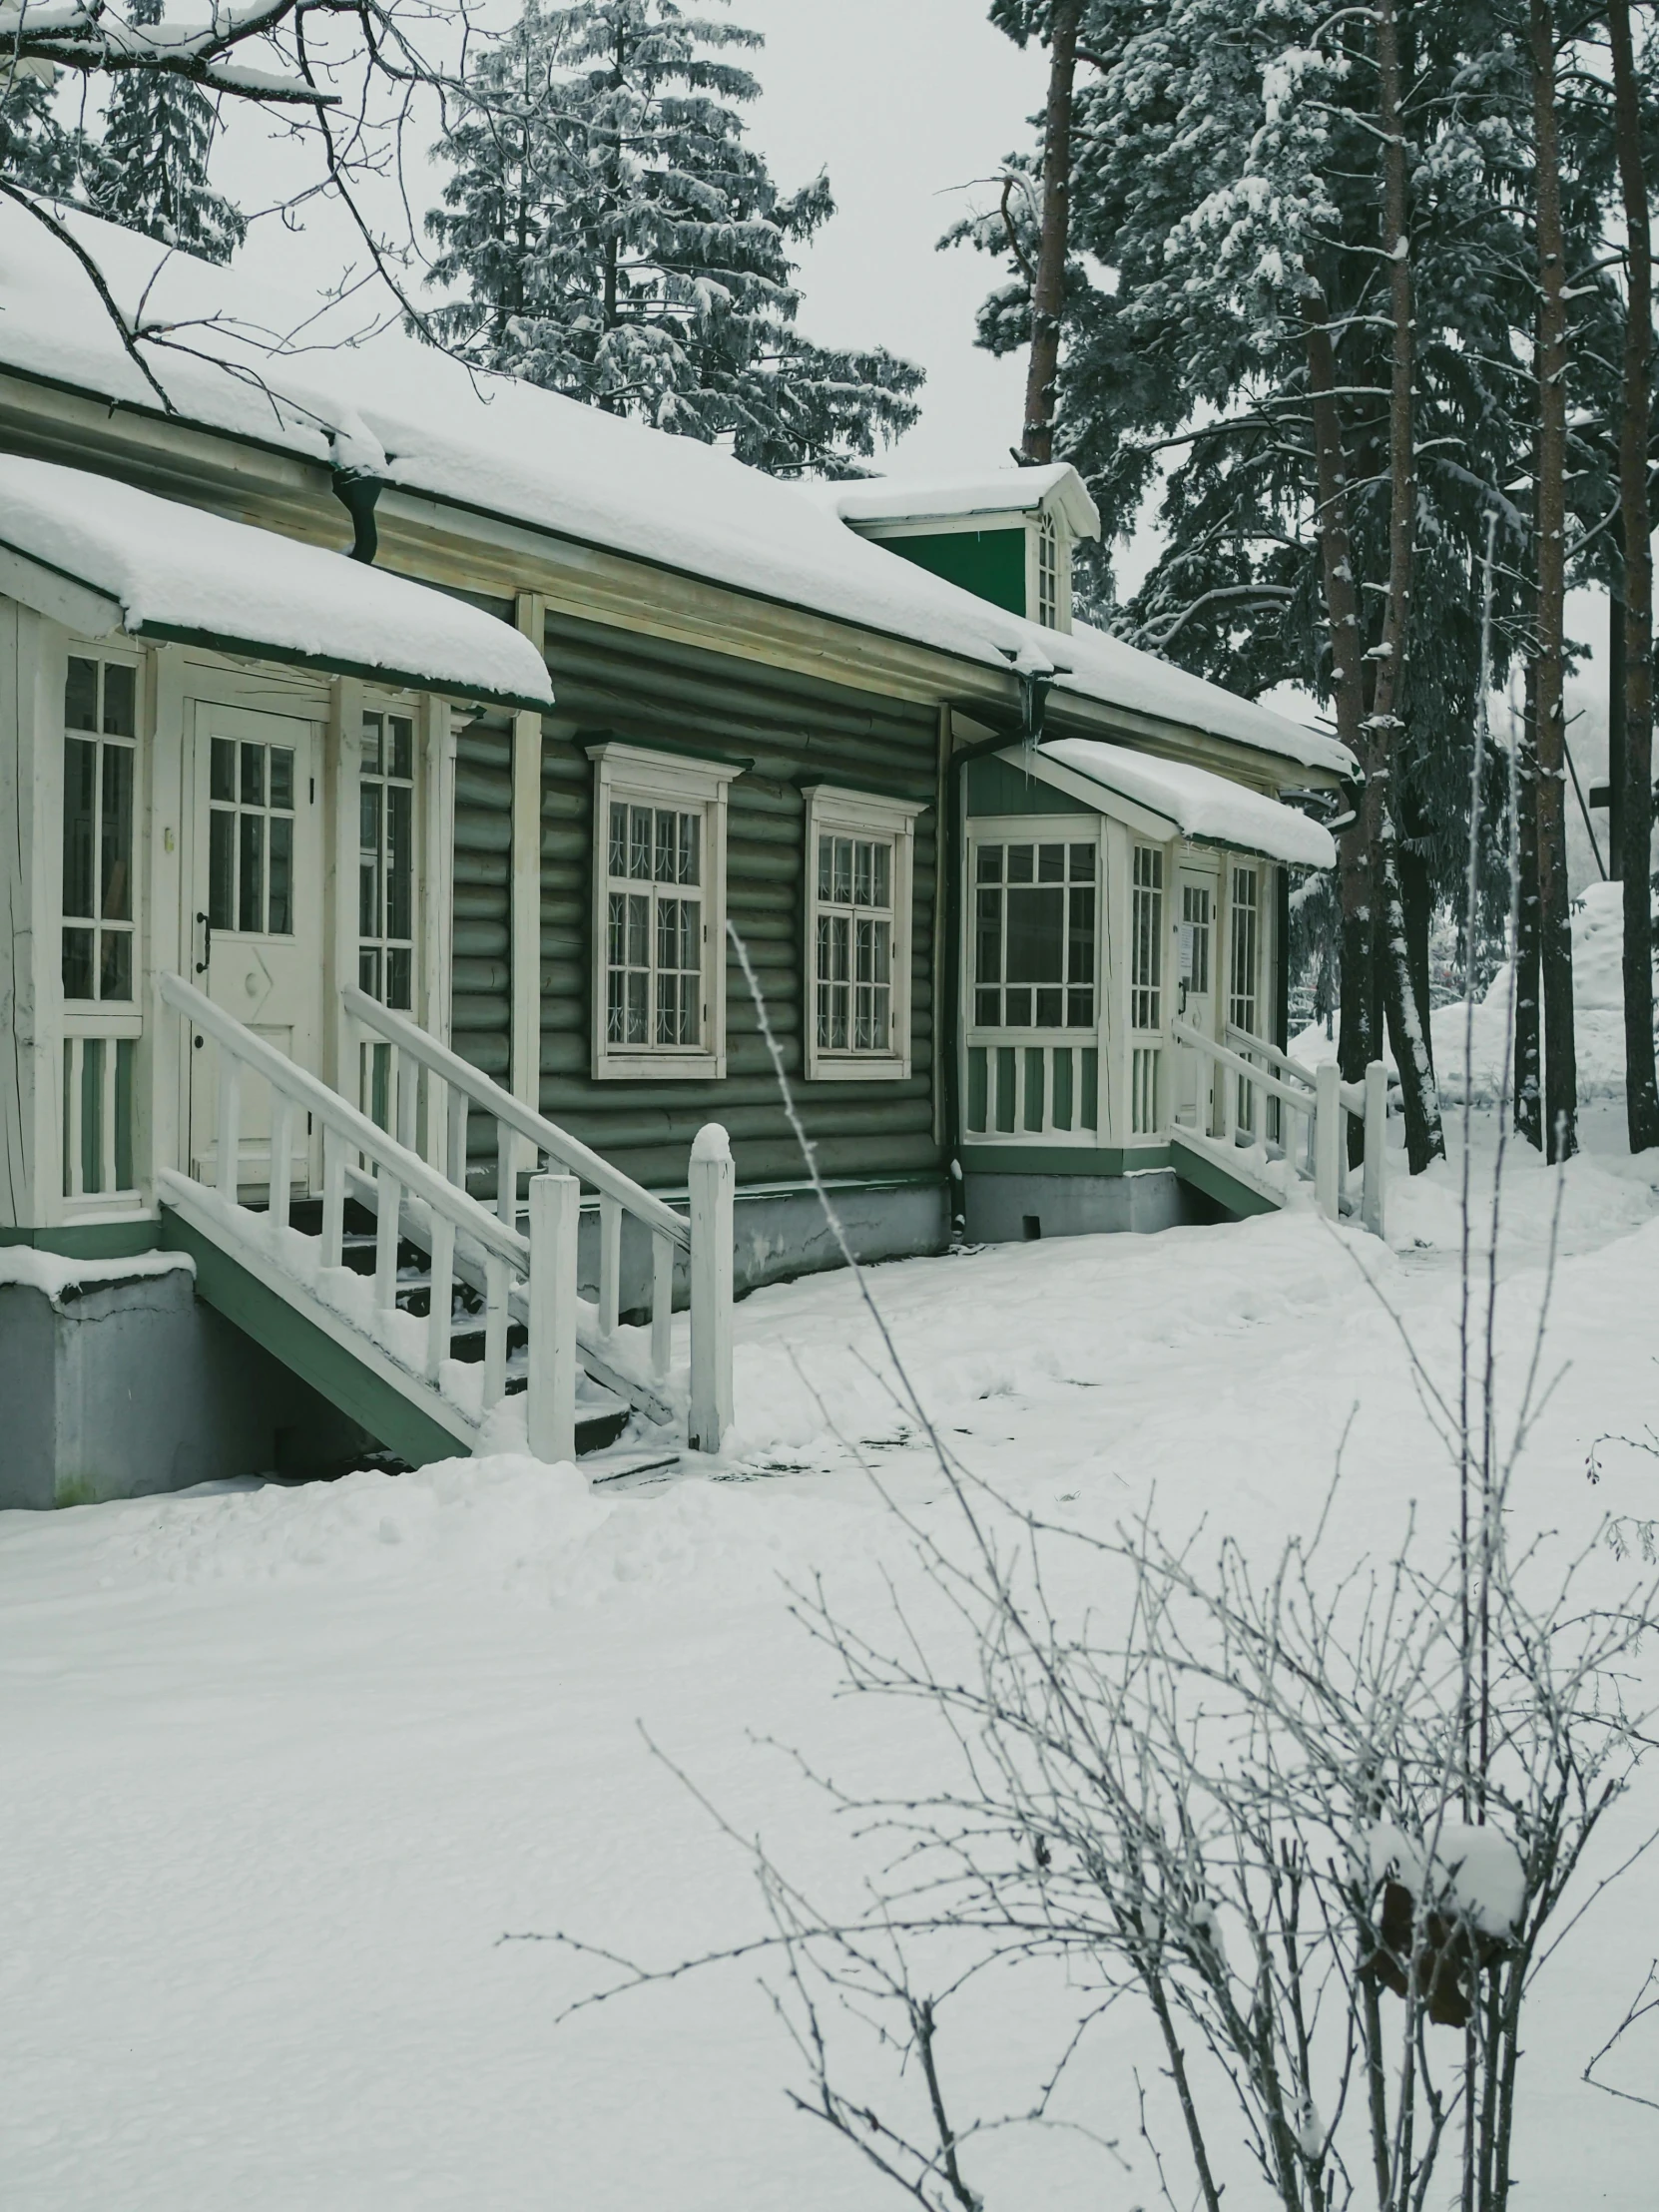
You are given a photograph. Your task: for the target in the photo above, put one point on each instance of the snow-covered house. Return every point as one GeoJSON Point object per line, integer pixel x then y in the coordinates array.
{"type": "Point", "coordinates": [383, 755]}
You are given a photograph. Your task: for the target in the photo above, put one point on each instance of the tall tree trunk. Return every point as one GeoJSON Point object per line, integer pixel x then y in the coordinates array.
{"type": "Point", "coordinates": [1641, 1092]}
{"type": "Point", "coordinates": [1356, 1045]}
{"type": "Point", "coordinates": [1049, 292]}
{"type": "Point", "coordinates": [1529, 1074]}
{"type": "Point", "coordinates": [1555, 920]}
{"type": "Point", "coordinates": [1407, 1024]}
{"type": "Point", "coordinates": [1416, 890]}
{"type": "Point", "coordinates": [1618, 683]}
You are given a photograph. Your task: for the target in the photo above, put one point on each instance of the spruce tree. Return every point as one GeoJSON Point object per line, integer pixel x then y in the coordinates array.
{"type": "Point", "coordinates": [616, 240]}
{"type": "Point", "coordinates": [36, 150]}
{"type": "Point", "coordinates": [151, 171]}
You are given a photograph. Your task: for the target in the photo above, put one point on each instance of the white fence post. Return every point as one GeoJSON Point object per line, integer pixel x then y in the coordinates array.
{"type": "Point", "coordinates": [1377, 1138]}
{"type": "Point", "coordinates": [1329, 1136]}
{"type": "Point", "coordinates": [230, 1125]}
{"type": "Point", "coordinates": [610, 1263]}
{"type": "Point", "coordinates": [555, 1210]}
{"type": "Point", "coordinates": [711, 1180]}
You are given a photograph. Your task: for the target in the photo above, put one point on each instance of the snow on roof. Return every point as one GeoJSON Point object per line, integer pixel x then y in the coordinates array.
{"type": "Point", "coordinates": [952, 498]}
{"type": "Point", "coordinates": [1104, 667]}
{"type": "Point", "coordinates": [173, 571]}
{"type": "Point", "coordinates": [1201, 805]}
{"type": "Point", "coordinates": [232, 354]}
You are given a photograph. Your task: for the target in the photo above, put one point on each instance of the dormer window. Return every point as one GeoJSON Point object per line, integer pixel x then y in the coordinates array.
{"type": "Point", "coordinates": [1049, 573]}
{"type": "Point", "coordinates": [1006, 537]}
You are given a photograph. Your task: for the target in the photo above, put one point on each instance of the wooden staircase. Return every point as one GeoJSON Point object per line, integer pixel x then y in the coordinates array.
{"type": "Point", "coordinates": [440, 1324]}
{"type": "Point", "coordinates": [1264, 1126]}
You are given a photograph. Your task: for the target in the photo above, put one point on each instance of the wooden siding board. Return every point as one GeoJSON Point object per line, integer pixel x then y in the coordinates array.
{"type": "Point", "coordinates": [652, 692]}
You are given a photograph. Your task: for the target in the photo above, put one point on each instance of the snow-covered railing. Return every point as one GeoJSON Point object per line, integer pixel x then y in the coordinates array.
{"type": "Point", "coordinates": [1247, 1073]}
{"type": "Point", "coordinates": [427, 1095]}
{"type": "Point", "coordinates": [463, 1236]}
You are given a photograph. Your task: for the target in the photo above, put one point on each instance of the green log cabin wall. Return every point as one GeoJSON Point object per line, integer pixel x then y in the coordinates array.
{"type": "Point", "coordinates": [642, 691]}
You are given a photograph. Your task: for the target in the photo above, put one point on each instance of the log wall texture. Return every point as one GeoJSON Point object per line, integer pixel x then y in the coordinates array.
{"type": "Point", "coordinates": [642, 691]}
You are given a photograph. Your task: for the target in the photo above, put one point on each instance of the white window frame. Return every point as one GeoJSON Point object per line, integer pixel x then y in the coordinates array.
{"type": "Point", "coordinates": [401, 706]}
{"type": "Point", "coordinates": [636, 776]}
{"type": "Point", "coordinates": [1045, 523]}
{"type": "Point", "coordinates": [831, 808]}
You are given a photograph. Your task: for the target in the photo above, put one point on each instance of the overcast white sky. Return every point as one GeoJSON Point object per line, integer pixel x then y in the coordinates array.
{"type": "Point", "coordinates": [905, 102]}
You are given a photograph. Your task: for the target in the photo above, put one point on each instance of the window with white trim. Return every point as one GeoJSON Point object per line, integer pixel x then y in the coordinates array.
{"type": "Point", "coordinates": [1241, 1000]}
{"type": "Point", "coordinates": [660, 919]}
{"type": "Point", "coordinates": [859, 870]}
{"type": "Point", "coordinates": [387, 858]}
{"type": "Point", "coordinates": [100, 761]}
{"type": "Point", "coordinates": [1034, 934]}
{"type": "Point", "coordinates": [1049, 573]}
{"type": "Point", "coordinates": [1146, 986]}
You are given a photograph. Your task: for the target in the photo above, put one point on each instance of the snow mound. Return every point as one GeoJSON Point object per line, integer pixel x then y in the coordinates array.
{"type": "Point", "coordinates": [503, 1524]}
{"type": "Point", "coordinates": [1598, 1011]}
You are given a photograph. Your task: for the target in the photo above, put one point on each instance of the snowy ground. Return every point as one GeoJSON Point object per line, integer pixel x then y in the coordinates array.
{"type": "Point", "coordinates": [282, 1765]}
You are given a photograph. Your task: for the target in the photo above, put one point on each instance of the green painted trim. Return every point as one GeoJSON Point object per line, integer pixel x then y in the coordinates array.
{"type": "Point", "coordinates": [1240, 1198]}
{"type": "Point", "coordinates": [309, 1351]}
{"type": "Point", "coordinates": [91, 1240]}
{"type": "Point", "coordinates": [253, 648]}
{"type": "Point", "coordinates": [1054, 1159]}
{"type": "Point", "coordinates": [996, 787]}
{"type": "Point", "coordinates": [988, 563]}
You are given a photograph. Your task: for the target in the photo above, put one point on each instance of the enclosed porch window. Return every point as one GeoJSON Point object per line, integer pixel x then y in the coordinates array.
{"type": "Point", "coordinates": [98, 930]}
{"type": "Point", "coordinates": [1033, 1059]}
{"type": "Point", "coordinates": [386, 859]}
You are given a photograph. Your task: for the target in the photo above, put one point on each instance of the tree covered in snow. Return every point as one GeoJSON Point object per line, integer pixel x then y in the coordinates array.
{"type": "Point", "coordinates": [1232, 305]}
{"type": "Point", "coordinates": [151, 172]}
{"type": "Point", "coordinates": [612, 235]}
{"type": "Point", "coordinates": [37, 148]}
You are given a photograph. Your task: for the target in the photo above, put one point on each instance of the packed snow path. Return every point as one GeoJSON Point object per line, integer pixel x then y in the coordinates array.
{"type": "Point", "coordinates": [282, 1764]}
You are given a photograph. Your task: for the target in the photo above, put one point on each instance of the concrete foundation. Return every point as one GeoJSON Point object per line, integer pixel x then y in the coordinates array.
{"type": "Point", "coordinates": [1003, 1209]}
{"type": "Point", "coordinates": [122, 1387]}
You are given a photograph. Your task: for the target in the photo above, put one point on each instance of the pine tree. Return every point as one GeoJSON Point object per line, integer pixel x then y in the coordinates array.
{"type": "Point", "coordinates": [36, 150]}
{"type": "Point", "coordinates": [1231, 173]}
{"type": "Point", "coordinates": [617, 240]}
{"type": "Point", "coordinates": [151, 172]}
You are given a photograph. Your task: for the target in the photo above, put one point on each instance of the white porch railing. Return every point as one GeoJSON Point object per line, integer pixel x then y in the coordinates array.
{"type": "Point", "coordinates": [459, 1229]}
{"type": "Point", "coordinates": [428, 1094]}
{"type": "Point", "coordinates": [1021, 1084]}
{"type": "Point", "coordinates": [1245, 1075]}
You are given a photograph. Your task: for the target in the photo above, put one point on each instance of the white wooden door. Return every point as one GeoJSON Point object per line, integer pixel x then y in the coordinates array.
{"type": "Point", "coordinates": [255, 914]}
{"type": "Point", "coordinates": [1196, 891]}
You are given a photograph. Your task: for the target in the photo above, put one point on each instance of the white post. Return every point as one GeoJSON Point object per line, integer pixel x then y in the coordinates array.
{"type": "Point", "coordinates": [282, 1159]}
{"type": "Point", "coordinates": [506, 1175]}
{"type": "Point", "coordinates": [610, 1263]}
{"type": "Point", "coordinates": [333, 1198]}
{"type": "Point", "coordinates": [1377, 1138]}
{"type": "Point", "coordinates": [524, 897]}
{"type": "Point", "coordinates": [662, 1302]}
{"type": "Point", "coordinates": [495, 1330]}
{"type": "Point", "coordinates": [1329, 1136]}
{"type": "Point", "coordinates": [555, 1212]}
{"type": "Point", "coordinates": [455, 1138]}
{"type": "Point", "coordinates": [389, 1197]}
{"type": "Point", "coordinates": [230, 1125]}
{"type": "Point", "coordinates": [711, 1181]}
{"type": "Point", "coordinates": [441, 1307]}
{"type": "Point", "coordinates": [405, 1098]}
